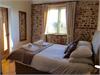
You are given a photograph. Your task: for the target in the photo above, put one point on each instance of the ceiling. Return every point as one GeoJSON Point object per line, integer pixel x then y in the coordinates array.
{"type": "Point", "coordinates": [48, 1]}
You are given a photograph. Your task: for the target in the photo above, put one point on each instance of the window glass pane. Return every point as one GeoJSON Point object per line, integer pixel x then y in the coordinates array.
{"type": "Point", "coordinates": [56, 21]}
{"type": "Point", "coordinates": [63, 28]}
{"type": "Point", "coordinates": [52, 19]}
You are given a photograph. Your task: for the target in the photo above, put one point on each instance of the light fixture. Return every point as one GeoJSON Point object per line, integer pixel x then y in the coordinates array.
{"type": "Point", "coordinates": [97, 66]}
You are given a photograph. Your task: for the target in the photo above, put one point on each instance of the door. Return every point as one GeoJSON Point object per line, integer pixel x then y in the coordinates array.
{"type": "Point", "coordinates": [4, 30]}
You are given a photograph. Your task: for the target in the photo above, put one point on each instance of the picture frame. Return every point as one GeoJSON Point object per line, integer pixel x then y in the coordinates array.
{"type": "Point", "coordinates": [22, 26]}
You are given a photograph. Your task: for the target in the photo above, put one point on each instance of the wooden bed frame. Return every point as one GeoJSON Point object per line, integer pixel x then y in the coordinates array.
{"type": "Point", "coordinates": [26, 69]}
{"type": "Point", "coordinates": [12, 67]}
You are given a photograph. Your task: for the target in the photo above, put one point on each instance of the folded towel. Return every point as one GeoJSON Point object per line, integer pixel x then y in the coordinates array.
{"type": "Point", "coordinates": [30, 47]}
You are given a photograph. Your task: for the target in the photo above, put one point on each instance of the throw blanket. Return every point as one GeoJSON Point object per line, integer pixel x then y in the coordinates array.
{"type": "Point", "coordinates": [25, 56]}
{"type": "Point", "coordinates": [21, 55]}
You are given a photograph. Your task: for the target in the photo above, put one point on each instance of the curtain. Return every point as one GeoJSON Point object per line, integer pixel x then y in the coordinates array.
{"type": "Point", "coordinates": [70, 16]}
{"type": "Point", "coordinates": [45, 12]}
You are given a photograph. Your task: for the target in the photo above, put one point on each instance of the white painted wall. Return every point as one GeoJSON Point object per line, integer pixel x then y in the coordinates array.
{"type": "Point", "coordinates": [99, 18]}
{"type": "Point", "coordinates": [14, 6]}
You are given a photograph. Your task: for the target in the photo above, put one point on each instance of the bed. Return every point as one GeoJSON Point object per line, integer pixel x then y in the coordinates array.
{"type": "Point", "coordinates": [49, 58]}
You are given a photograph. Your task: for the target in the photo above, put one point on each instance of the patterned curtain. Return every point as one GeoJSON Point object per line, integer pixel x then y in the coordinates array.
{"type": "Point", "coordinates": [70, 15]}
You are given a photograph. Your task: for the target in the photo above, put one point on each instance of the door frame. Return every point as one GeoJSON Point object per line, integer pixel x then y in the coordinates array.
{"type": "Point", "coordinates": [7, 28]}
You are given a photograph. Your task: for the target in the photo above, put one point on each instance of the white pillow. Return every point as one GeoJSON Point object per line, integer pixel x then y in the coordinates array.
{"type": "Point", "coordinates": [81, 51]}
{"type": "Point", "coordinates": [30, 47]}
{"type": "Point", "coordinates": [81, 60]}
{"type": "Point", "coordinates": [84, 43]}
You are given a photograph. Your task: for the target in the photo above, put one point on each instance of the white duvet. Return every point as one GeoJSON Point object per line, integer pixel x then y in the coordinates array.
{"type": "Point", "coordinates": [51, 60]}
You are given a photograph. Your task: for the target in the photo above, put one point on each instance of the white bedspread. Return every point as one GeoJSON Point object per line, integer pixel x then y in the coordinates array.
{"type": "Point", "coordinates": [51, 60]}
{"type": "Point", "coordinates": [55, 51]}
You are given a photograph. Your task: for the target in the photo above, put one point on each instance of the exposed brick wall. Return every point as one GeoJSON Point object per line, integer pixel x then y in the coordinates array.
{"type": "Point", "coordinates": [85, 21]}
{"type": "Point", "coordinates": [37, 21]}
{"type": "Point", "coordinates": [57, 39]}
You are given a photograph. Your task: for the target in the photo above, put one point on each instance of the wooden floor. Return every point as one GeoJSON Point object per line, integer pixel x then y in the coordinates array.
{"type": "Point", "coordinates": [8, 67]}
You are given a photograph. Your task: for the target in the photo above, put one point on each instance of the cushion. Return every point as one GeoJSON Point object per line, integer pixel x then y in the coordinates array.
{"type": "Point", "coordinates": [84, 43]}
{"type": "Point", "coordinates": [70, 45]}
{"type": "Point", "coordinates": [71, 48]}
{"type": "Point", "coordinates": [81, 51]}
{"type": "Point", "coordinates": [81, 60]}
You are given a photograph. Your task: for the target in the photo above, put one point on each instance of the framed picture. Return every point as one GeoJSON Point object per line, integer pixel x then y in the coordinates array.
{"type": "Point", "coordinates": [22, 26]}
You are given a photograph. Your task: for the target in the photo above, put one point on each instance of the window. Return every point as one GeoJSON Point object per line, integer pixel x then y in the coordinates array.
{"type": "Point", "coordinates": [56, 21]}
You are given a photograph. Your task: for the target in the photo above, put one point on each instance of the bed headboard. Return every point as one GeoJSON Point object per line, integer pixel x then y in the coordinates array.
{"type": "Point", "coordinates": [96, 46]}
